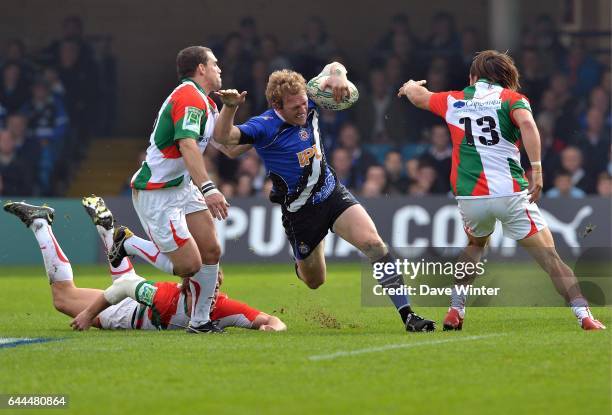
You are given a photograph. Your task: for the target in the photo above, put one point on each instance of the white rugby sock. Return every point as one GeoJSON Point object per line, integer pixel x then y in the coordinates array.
{"type": "Point", "coordinates": [202, 286]}
{"type": "Point", "coordinates": [458, 301]}
{"type": "Point", "coordinates": [148, 251]}
{"type": "Point", "coordinates": [580, 308]}
{"type": "Point", "coordinates": [126, 266]}
{"type": "Point", "coordinates": [56, 263]}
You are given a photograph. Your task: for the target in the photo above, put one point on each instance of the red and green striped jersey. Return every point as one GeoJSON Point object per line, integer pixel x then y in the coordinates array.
{"type": "Point", "coordinates": [486, 140]}
{"type": "Point", "coordinates": [187, 113]}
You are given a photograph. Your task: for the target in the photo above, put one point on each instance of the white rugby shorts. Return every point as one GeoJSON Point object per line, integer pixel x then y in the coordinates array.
{"type": "Point", "coordinates": [118, 316]}
{"type": "Point", "coordinates": [519, 218]}
{"type": "Point", "coordinates": [162, 213]}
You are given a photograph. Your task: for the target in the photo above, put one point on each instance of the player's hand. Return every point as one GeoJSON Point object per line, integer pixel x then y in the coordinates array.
{"type": "Point", "coordinates": [403, 91]}
{"type": "Point", "coordinates": [231, 97]}
{"type": "Point", "coordinates": [535, 187]}
{"type": "Point", "coordinates": [82, 321]}
{"type": "Point", "coordinates": [217, 205]}
{"type": "Point", "coordinates": [339, 86]}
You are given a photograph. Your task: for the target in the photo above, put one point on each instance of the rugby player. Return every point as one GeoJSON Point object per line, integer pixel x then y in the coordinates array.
{"type": "Point", "coordinates": [151, 306]}
{"type": "Point", "coordinates": [313, 201]}
{"type": "Point", "coordinates": [172, 192]}
{"type": "Point", "coordinates": [488, 120]}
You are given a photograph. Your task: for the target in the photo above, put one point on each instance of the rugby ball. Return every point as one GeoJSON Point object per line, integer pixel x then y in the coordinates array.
{"type": "Point", "coordinates": [325, 99]}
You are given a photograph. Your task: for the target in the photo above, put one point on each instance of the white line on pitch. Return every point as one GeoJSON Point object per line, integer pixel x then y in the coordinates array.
{"type": "Point", "coordinates": [398, 346]}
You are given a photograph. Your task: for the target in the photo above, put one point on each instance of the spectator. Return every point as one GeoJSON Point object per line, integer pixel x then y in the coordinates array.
{"type": "Point", "coordinates": [14, 89]}
{"type": "Point", "coordinates": [604, 185]}
{"type": "Point", "coordinates": [563, 187]}
{"type": "Point", "coordinates": [27, 147]}
{"type": "Point", "coordinates": [16, 53]}
{"type": "Point", "coordinates": [571, 161]}
{"type": "Point", "coordinates": [381, 116]}
{"type": "Point", "coordinates": [236, 62]}
{"type": "Point", "coordinates": [533, 79]}
{"type": "Point", "coordinates": [251, 166]}
{"type": "Point", "coordinates": [48, 122]}
{"type": "Point", "coordinates": [244, 188]}
{"type": "Point", "coordinates": [546, 41]}
{"type": "Point", "coordinates": [81, 89]}
{"type": "Point", "coordinates": [228, 189]}
{"type": "Point", "coordinates": [397, 183]}
{"type": "Point", "coordinates": [470, 45]}
{"type": "Point", "coordinates": [439, 156]}
{"type": "Point", "coordinates": [330, 123]}
{"type": "Point", "coordinates": [425, 179]}
{"type": "Point", "coordinates": [16, 173]}
{"type": "Point", "coordinates": [582, 69]}
{"type": "Point", "coordinates": [400, 26]}
{"type": "Point", "coordinates": [443, 39]}
{"type": "Point", "coordinates": [595, 142]}
{"type": "Point", "coordinates": [314, 49]}
{"type": "Point", "coordinates": [375, 182]}
{"type": "Point", "coordinates": [271, 55]}
{"type": "Point", "coordinates": [341, 163]}
{"type": "Point", "coordinates": [250, 39]}
{"type": "Point", "coordinates": [257, 90]}
{"type": "Point", "coordinates": [72, 31]}
{"type": "Point", "coordinates": [51, 76]}
{"type": "Point", "coordinates": [361, 160]}
{"type": "Point", "coordinates": [600, 100]}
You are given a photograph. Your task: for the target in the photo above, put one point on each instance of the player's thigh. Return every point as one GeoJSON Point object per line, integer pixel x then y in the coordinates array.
{"type": "Point", "coordinates": [478, 219]}
{"type": "Point", "coordinates": [162, 215]}
{"type": "Point", "coordinates": [356, 227]}
{"type": "Point", "coordinates": [312, 269]}
{"type": "Point", "coordinates": [186, 259]}
{"type": "Point", "coordinates": [202, 228]}
{"type": "Point", "coordinates": [520, 219]}
{"type": "Point", "coordinates": [70, 300]}
{"type": "Point", "coordinates": [541, 246]}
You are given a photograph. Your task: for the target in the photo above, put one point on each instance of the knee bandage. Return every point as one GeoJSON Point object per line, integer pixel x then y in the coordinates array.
{"type": "Point", "coordinates": [133, 286]}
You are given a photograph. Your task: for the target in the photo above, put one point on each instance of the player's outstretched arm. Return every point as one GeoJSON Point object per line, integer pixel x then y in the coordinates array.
{"type": "Point", "coordinates": [85, 319]}
{"type": "Point", "coordinates": [232, 151]}
{"type": "Point", "coordinates": [416, 93]}
{"type": "Point", "coordinates": [531, 140]}
{"type": "Point", "coordinates": [225, 131]}
{"type": "Point", "coordinates": [266, 322]}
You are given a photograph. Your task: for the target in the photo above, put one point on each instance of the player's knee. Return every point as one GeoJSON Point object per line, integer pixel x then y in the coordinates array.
{"type": "Point", "coordinates": [314, 284]}
{"type": "Point", "coordinates": [188, 268]}
{"type": "Point", "coordinates": [373, 246]}
{"type": "Point", "coordinates": [212, 254]}
{"type": "Point", "coordinates": [60, 304]}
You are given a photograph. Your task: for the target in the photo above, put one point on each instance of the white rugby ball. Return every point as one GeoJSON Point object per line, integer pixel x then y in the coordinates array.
{"type": "Point", "coordinates": [325, 99]}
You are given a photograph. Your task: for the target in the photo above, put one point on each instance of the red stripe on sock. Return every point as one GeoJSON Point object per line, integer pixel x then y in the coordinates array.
{"type": "Point", "coordinates": [196, 285]}
{"type": "Point", "coordinates": [58, 250]}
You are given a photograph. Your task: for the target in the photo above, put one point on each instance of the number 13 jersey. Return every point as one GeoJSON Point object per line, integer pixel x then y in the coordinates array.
{"type": "Point", "coordinates": [486, 140]}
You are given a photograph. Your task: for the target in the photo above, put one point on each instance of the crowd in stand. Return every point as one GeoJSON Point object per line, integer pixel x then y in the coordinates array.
{"type": "Point", "coordinates": [51, 102]}
{"type": "Point", "coordinates": [381, 146]}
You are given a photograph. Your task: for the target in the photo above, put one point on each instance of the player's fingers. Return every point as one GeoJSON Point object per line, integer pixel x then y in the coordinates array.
{"type": "Point", "coordinates": [421, 82]}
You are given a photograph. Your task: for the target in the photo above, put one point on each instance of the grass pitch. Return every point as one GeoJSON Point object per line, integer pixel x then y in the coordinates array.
{"type": "Point", "coordinates": [337, 356]}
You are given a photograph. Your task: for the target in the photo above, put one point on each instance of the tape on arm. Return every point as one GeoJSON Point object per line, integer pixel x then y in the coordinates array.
{"type": "Point", "coordinates": [124, 287]}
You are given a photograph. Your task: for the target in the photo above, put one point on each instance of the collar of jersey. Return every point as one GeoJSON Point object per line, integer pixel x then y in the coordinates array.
{"type": "Point", "coordinates": [195, 84]}
{"type": "Point", "coordinates": [486, 81]}
{"type": "Point", "coordinates": [280, 116]}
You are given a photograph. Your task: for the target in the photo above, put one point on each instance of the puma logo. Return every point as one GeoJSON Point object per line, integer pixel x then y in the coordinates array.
{"type": "Point", "coordinates": [568, 231]}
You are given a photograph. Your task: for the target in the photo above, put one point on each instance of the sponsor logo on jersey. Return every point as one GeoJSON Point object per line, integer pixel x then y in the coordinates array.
{"type": "Point", "coordinates": [477, 105]}
{"type": "Point", "coordinates": [192, 119]}
{"type": "Point", "coordinates": [304, 134]}
{"type": "Point", "coordinates": [305, 155]}
{"type": "Point", "coordinates": [459, 104]}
